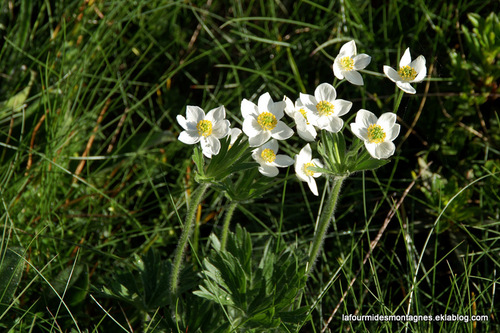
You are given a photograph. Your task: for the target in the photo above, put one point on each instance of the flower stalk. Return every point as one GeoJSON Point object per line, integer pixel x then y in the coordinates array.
{"type": "Point", "coordinates": [324, 222]}
{"type": "Point", "coordinates": [186, 232]}
{"type": "Point", "coordinates": [397, 102]}
{"type": "Point", "coordinates": [226, 223]}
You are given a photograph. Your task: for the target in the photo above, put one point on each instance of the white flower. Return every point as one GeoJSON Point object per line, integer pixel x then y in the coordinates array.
{"type": "Point", "coordinates": [299, 113]}
{"type": "Point", "coordinates": [409, 72]}
{"type": "Point", "coordinates": [266, 156]}
{"type": "Point", "coordinates": [302, 163]}
{"type": "Point", "coordinates": [324, 109]}
{"type": "Point", "coordinates": [262, 121]}
{"type": "Point", "coordinates": [377, 134]}
{"type": "Point", "coordinates": [347, 63]}
{"type": "Point", "coordinates": [206, 129]}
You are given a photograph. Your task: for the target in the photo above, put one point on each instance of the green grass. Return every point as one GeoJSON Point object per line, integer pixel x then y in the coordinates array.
{"type": "Point", "coordinates": [94, 184]}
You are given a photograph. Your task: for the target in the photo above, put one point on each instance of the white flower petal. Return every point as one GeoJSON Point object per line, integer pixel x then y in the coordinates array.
{"type": "Point", "coordinates": [251, 127]}
{"type": "Point", "coordinates": [289, 107]}
{"type": "Point", "coordinates": [281, 131]}
{"type": "Point", "coordinates": [325, 92]}
{"type": "Point", "coordinates": [234, 133]}
{"type": "Point", "coordinates": [194, 114]}
{"type": "Point", "coordinates": [277, 108]}
{"type": "Point", "coordinates": [419, 65]}
{"type": "Point", "coordinates": [371, 148]}
{"type": "Point", "coordinates": [337, 71]}
{"type": "Point", "coordinates": [305, 154]}
{"type": "Point", "coordinates": [335, 125]}
{"type": "Point", "coordinates": [265, 102]}
{"type": "Point", "coordinates": [341, 107]}
{"type": "Point", "coordinates": [283, 161]}
{"type": "Point", "coordinates": [256, 155]}
{"type": "Point", "coordinates": [365, 118]}
{"type": "Point", "coordinates": [361, 61]}
{"type": "Point", "coordinates": [393, 132]}
{"type": "Point", "coordinates": [299, 104]}
{"type": "Point", "coordinates": [392, 74]}
{"type": "Point", "coordinates": [189, 137]}
{"type": "Point", "coordinates": [348, 49]}
{"type": "Point", "coordinates": [259, 139]}
{"type": "Point", "coordinates": [221, 129]}
{"type": "Point", "coordinates": [271, 144]}
{"type": "Point", "coordinates": [323, 122]}
{"type": "Point", "coordinates": [359, 131]}
{"type": "Point", "coordinates": [268, 170]}
{"type": "Point", "coordinates": [406, 87]}
{"type": "Point", "coordinates": [385, 150]}
{"type": "Point", "coordinates": [210, 146]}
{"type": "Point", "coordinates": [217, 114]}
{"type": "Point", "coordinates": [387, 120]}
{"type": "Point", "coordinates": [309, 101]}
{"type": "Point", "coordinates": [405, 59]}
{"type": "Point", "coordinates": [354, 77]}
{"type": "Point", "coordinates": [248, 108]}
{"type": "Point", "coordinates": [182, 121]}
{"type": "Point", "coordinates": [312, 186]}
{"type": "Point", "coordinates": [306, 132]}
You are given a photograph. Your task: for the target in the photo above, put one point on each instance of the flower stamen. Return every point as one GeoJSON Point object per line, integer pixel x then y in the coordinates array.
{"type": "Point", "coordinates": [347, 63]}
{"type": "Point", "coordinates": [304, 114]}
{"type": "Point", "coordinates": [204, 127]}
{"type": "Point", "coordinates": [267, 121]}
{"type": "Point", "coordinates": [268, 155]}
{"type": "Point", "coordinates": [325, 108]}
{"type": "Point", "coordinates": [306, 168]}
{"type": "Point", "coordinates": [407, 73]}
{"type": "Point", "coordinates": [376, 134]}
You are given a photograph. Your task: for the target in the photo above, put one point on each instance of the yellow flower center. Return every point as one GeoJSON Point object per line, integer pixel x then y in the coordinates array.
{"type": "Point", "coordinates": [204, 127]}
{"type": "Point", "coordinates": [306, 168]}
{"type": "Point", "coordinates": [325, 108]}
{"type": "Point", "coordinates": [304, 114]}
{"type": "Point", "coordinates": [268, 155]}
{"type": "Point", "coordinates": [347, 63]}
{"type": "Point", "coordinates": [407, 73]}
{"type": "Point", "coordinates": [267, 121]}
{"type": "Point", "coordinates": [376, 134]}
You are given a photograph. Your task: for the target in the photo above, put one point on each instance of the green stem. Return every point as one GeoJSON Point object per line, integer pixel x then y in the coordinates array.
{"type": "Point", "coordinates": [227, 221]}
{"type": "Point", "coordinates": [324, 222]}
{"type": "Point", "coordinates": [186, 232]}
{"type": "Point", "coordinates": [398, 101]}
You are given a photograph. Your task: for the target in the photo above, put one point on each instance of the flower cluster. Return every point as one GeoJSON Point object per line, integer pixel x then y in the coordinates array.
{"type": "Point", "coordinates": [264, 127]}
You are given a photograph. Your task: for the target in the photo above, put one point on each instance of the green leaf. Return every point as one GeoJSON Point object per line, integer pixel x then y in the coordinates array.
{"type": "Point", "coordinates": [370, 164]}
{"type": "Point", "coordinates": [198, 160]}
{"type": "Point", "coordinates": [259, 292]}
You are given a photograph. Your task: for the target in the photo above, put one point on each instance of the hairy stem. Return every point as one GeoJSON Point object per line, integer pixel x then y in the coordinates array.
{"type": "Point", "coordinates": [227, 221]}
{"type": "Point", "coordinates": [324, 222]}
{"type": "Point", "coordinates": [186, 232]}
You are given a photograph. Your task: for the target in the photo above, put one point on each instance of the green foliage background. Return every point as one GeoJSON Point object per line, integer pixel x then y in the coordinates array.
{"type": "Point", "coordinates": [93, 183]}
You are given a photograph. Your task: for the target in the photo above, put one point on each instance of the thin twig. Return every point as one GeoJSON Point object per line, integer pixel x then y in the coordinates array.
{"type": "Point", "coordinates": [91, 140]}
{"type": "Point", "coordinates": [32, 142]}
